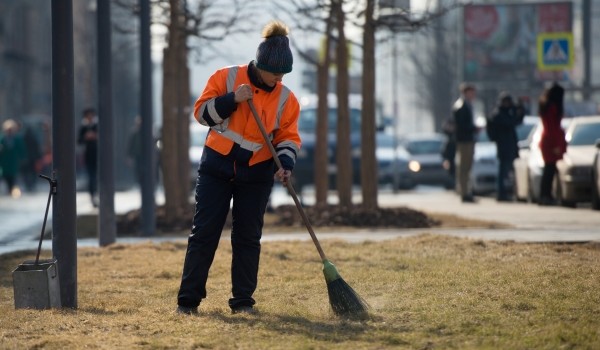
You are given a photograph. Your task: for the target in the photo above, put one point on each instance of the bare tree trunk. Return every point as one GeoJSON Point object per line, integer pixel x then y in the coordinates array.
{"type": "Point", "coordinates": [175, 130]}
{"type": "Point", "coordinates": [368, 167]}
{"type": "Point", "coordinates": [343, 145]}
{"type": "Point", "coordinates": [321, 143]}
{"type": "Point", "coordinates": [183, 123]}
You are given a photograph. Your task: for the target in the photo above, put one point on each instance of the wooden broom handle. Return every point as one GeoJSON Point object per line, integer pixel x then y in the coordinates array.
{"type": "Point", "coordinates": [290, 188]}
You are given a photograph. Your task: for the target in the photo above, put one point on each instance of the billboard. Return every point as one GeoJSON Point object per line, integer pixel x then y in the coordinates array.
{"type": "Point", "coordinates": [500, 41]}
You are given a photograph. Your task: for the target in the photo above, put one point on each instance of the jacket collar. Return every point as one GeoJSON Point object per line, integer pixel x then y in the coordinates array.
{"type": "Point", "coordinates": [255, 80]}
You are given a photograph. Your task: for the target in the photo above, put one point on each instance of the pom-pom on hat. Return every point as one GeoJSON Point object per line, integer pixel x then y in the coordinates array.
{"type": "Point", "coordinates": [274, 54]}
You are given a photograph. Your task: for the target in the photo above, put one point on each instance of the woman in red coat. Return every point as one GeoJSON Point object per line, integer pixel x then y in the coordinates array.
{"type": "Point", "coordinates": [552, 143]}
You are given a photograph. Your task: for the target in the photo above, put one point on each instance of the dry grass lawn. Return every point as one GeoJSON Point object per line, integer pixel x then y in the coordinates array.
{"type": "Point", "coordinates": [426, 292]}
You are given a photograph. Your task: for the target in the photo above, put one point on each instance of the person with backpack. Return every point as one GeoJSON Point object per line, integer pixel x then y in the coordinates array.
{"type": "Point", "coordinates": [501, 129]}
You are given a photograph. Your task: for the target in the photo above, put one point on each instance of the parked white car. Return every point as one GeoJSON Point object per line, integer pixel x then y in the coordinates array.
{"type": "Point", "coordinates": [573, 183]}
{"type": "Point", "coordinates": [596, 178]}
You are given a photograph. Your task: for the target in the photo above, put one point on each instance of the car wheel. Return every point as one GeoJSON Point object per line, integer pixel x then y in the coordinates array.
{"type": "Point", "coordinates": [595, 194]}
{"type": "Point", "coordinates": [559, 194]}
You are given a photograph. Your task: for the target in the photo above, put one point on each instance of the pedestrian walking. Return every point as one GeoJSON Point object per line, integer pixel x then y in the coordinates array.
{"type": "Point", "coordinates": [12, 153]}
{"type": "Point", "coordinates": [88, 137]}
{"type": "Point", "coordinates": [236, 164]}
{"type": "Point", "coordinates": [501, 128]}
{"type": "Point", "coordinates": [552, 142]}
{"type": "Point", "coordinates": [465, 133]}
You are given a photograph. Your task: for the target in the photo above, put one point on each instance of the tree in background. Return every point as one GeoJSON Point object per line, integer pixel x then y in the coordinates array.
{"type": "Point", "coordinates": [437, 64]}
{"type": "Point", "coordinates": [343, 144]}
{"type": "Point", "coordinates": [317, 18]}
{"type": "Point", "coordinates": [368, 162]}
{"type": "Point", "coordinates": [189, 26]}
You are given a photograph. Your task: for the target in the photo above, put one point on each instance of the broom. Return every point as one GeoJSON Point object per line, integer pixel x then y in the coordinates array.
{"type": "Point", "coordinates": [343, 299]}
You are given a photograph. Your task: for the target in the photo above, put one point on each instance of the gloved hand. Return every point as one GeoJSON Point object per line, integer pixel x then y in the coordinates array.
{"type": "Point", "coordinates": [242, 93]}
{"type": "Point", "coordinates": [283, 176]}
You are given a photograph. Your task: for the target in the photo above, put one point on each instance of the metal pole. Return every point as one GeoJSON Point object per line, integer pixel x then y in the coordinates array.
{"type": "Point", "coordinates": [587, 47]}
{"type": "Point", "coordinates": [148, 147]}
{"type": "Point", "coordinates": [107, 227]}
{"type": "Point", "coordinates": [64, 235]}
{"type": "Point", "coordinates": [395, 110]}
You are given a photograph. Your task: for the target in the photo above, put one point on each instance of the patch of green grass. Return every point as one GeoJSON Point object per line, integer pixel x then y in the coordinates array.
{"type": "Point", "coordinates": [425, 292]}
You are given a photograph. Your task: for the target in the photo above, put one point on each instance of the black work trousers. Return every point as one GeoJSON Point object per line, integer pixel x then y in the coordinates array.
{"type": "Point", "coordinates": [213, 198]}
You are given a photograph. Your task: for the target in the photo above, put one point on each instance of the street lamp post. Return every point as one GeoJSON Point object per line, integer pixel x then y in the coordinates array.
{"type": "Point", "coordinates": [107, 227]}
{"type": "Point", "coordinates": [148, 147]}
{"type": "Point", "coordinates": [64, 235]}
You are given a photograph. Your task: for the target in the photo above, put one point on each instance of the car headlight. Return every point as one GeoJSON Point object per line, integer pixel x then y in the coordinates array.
{"type": "Point", "coordinates": [414, 166]}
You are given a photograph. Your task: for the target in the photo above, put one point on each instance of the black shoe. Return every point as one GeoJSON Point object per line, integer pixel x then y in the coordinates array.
{"type": "Point", "coordinates": [546, 201]}
{"type": "Point", "coordinates": [244, 310]}
{"type": "Point", "coordinates": [184, 310]}
{"type": "Point", "coordinates": [468, 199]}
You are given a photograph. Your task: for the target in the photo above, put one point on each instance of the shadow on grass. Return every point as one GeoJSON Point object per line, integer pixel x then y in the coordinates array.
{"type": "Point", "coordinates": [335, 331]}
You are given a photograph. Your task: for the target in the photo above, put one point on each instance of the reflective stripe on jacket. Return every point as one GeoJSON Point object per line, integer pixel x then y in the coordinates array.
{"type": "Point", "coordinates": [278, 110]}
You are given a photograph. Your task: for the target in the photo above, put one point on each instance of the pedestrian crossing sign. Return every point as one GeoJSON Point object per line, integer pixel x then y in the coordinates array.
{"type": "Point", "coordinates": [555, 51]}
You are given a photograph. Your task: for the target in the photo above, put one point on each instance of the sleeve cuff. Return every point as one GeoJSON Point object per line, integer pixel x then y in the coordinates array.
{"type": "Point", "coordinates": [287, 163]}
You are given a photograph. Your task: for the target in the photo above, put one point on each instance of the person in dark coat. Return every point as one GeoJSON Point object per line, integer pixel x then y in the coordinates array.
{"type": "Point", "coordinates": [465, 133]}
{"type": "Point", "coordinates": [502, 130]}
{"type": "Point", "coordinates": [12, 152]}
{"type": "Point", "coordinates": [88, 137]}
{"type": "Point", "coordinates": [552, 142]}
{"type": "Point", "coordinates": [33, 154]}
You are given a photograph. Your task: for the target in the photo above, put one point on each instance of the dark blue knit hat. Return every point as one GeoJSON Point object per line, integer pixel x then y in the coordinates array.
{"type": "Point", "coordinates": [274, 54]}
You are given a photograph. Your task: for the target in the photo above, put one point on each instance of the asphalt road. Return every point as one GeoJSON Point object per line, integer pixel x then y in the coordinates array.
{"type": "Point", "coordinates": [21, 219]}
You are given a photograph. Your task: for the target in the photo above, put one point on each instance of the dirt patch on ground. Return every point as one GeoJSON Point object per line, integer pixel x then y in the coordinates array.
{"type": "Point", "coordinates": [287, 219]}
{"type": "Point", "coordinates": [357, 216]}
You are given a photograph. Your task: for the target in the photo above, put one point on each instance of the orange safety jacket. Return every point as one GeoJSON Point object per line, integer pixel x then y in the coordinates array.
{"type": "Point", "coordinates": [278, 110]}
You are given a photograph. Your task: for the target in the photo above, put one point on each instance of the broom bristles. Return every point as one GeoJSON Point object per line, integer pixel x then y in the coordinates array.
{"type": "Point", "coordinates": [344, 300]}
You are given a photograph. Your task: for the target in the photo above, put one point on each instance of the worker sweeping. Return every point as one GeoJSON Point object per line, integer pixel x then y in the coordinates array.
{"type": "Point", "coordinates": [236, 164]}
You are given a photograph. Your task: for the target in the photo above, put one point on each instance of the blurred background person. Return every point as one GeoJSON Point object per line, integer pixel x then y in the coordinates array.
{"type": "Point", "coordinates": [134, 150]}
{"type": "Point", "coordinates": [465, 133]}
{"type": "Point", "coordinates": [501, 128]}
{"type": "Point", "coordinates": [31, 165]}
{"type": "Point", "coordinates": [552, 142]}
{"type": "Point", "coordinates": [449, 149]}
{"type": "Point", "coordinates": [12, 153]}
{"type": "Point", "coordinates": [88, 137]}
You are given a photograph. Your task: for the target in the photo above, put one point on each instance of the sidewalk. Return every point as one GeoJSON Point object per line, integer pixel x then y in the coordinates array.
{"type": "Point", "coordinates": [531, 223]}
{"type": "Point", "coordinates": [22, 218]}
